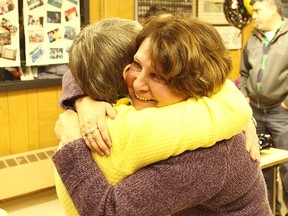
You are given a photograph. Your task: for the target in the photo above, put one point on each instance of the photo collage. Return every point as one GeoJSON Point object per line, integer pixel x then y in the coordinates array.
{"type": "Point", "coordinates": [51, 27]}
{"type": "Point", "coordinates": [9, 33]}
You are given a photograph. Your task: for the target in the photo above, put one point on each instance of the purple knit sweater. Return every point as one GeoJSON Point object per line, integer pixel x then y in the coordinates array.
{"type": "Point", "coordinates": [221, 180]}
{"type": "Point", "coordinates": [70, 91]}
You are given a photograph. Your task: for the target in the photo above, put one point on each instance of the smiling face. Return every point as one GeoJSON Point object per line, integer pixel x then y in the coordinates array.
{"type": "Point", "coordinates": [146, 87]}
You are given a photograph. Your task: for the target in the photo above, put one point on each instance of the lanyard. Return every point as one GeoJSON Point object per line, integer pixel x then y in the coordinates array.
{"type": "Point", "coordinates": [266, 47]}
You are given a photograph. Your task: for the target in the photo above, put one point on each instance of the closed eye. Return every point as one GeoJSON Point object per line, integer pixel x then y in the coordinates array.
{"type": "Point", "coordinates": [136, 66]}
{"type": "Point", "coordinates": [157, 78]}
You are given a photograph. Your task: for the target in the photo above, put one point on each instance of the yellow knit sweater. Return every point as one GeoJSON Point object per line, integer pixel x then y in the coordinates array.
{"type": "Point", "coordinates": [143, 137]}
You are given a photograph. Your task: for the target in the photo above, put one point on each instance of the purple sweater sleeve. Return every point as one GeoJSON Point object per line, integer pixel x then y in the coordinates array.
{"type": "Point", "coordinates": [70, 91]}
{"type": "Point", "coordinates": [150, 191]}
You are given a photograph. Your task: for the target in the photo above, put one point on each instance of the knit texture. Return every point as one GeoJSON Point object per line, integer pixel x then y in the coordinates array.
{"type": "Point", "coordinates": [217, 181]}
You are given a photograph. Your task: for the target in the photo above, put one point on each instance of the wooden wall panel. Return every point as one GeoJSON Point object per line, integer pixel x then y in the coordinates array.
{"type": "Point", "coordinates": [48, 114]}
{"type": "Point", "coordinates": [247, 32]}
{"type": "Point", "coordinates": [119, 8]}
{"type": "Point", "coordinates": [235, 55]}
{"type": "Point", "coordinates": [4, 125]}
{"type": "Point", "coordinates": [95, 10]}
{"type": "Point", "coordinates": [18, 121]}
{"type": "Point", "coordinates": [127, 10]}
{"type": "Point", "coordinates": [33, 119]}
{"type": "Point", "coordinates": [105, 8]}
{"type": "Point", "coordinates": [27, 119]}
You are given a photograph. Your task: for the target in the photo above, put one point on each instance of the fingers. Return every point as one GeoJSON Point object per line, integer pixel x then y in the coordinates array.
{"type": "Point", "coordinates": [99, 140]}
{"type": "Point", "coordinates": [94, 141]}
{"type": "Point", "coordinates": [255, 151]}
{"type": "Point", "coordinates": [103, 130]}
{"type": "Point", "coordinates": [252, 146]}
{"type": "Point", "coordinates": [96, 135]}
{"type": "Point", "coordinates": [111, 112]}
{"type": "Point", "coordinates": [252, 141]}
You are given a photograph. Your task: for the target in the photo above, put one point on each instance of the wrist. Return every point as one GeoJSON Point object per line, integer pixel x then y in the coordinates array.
{"type": "Point", "coordinates": [77, 102]}
{"type": "Point", "coordinates": [67, 140]}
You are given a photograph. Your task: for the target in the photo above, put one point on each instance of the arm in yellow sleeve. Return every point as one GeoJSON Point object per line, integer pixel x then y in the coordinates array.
{"type": "Point", "coordinates": [143, 137]}
{"type": "Point", "coordinates": [153, 134]}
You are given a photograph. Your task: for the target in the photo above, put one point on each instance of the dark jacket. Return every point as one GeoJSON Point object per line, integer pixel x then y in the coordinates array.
{"type": "Point", "coordinates": [274, 87]}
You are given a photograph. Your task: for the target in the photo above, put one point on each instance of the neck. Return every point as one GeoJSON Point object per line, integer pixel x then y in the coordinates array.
{"type": "Point", "coordinates": [276, 23]}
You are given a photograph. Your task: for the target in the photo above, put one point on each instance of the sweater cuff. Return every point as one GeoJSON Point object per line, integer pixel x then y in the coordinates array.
{"type": "Point", "coordinates": [70, 159]}
{"type": "Point", "coordinates": [68, 103]}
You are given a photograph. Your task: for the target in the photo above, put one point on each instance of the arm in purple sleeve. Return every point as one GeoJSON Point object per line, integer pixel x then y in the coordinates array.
{"type": "Point", "coordinates": [161, 188]}
{"type": "Point", "coordinates": [70, 91]}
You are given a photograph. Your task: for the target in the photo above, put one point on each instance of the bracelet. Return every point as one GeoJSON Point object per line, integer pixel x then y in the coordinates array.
{"type": "Point", "coordinates": [254, 121]}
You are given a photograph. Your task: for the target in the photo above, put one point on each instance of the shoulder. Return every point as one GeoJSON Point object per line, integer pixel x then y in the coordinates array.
{"type": "Point", "coordinates": [217, 156]}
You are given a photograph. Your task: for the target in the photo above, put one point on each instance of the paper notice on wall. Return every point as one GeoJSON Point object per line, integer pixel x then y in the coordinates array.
{"type": "Point", "coordinates": [50, 28]}
{"type": "Point", "coordinates": [9, 34]}
{"type": "Point", "coordinates": [231, 37]}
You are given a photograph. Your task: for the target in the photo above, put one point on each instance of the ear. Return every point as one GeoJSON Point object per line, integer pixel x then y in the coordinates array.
{"type": "Point", "coordinates": [125, 71]}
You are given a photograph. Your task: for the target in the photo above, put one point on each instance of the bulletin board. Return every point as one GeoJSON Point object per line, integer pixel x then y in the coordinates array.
{"type": "Point", "coordinates": [9, 34]}
{"type": "Point", "coordinates": [50, 28]}
{"type": "Point", "coordinates": [212, 11]}
{"type": "Point", "coordinates": [231, 37]}
{"type": "Point", "coordinates": [184, 7]}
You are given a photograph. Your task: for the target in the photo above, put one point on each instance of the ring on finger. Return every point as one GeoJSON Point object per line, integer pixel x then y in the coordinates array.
{"type": "Point", "coordinates": [89, 132]}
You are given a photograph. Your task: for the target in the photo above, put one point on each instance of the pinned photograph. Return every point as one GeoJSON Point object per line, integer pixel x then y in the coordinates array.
{"type": "Point", "coordinates": [5, 38]}
{"type": "Point", "coordinates": [56, 53]}
{"type": "Point", "coordinates": [70, 33]}
{"type": "Point", "coordinates": [35, 21]}
{"type": "Point", "coordinates": [9, 53]}
{"type": "Point", "coordinates": [32, 4]}
{"type": "Point", "coordinates": [71, 14]}
{"type": "Point", "coordinates": [36, 53]}
{"type": "Point", "coordinates": [74, 1]}
{"type": "Point", "coordinates": [54, 35]}
{"type": "Point", "coordinates": [6, 6]}
{"type": "Point", "coordinates": [6, 24]}
{"type": "Point", "coordinates": [53, 17]}
{"type": "Point", "coordinates": [56, 3]}
{"type": "Point", "coordinates": [36, 36]}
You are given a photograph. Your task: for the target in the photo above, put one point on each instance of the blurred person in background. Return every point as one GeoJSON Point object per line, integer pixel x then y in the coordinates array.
{"type": "Point", "coordinates": [264, 79]}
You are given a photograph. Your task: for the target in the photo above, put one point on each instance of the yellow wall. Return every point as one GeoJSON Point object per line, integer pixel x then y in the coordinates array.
{"type": "Point", "coordinates": [27, 119]}
{"type": "Point", "coordinates": [105, 8]}
{"type": "Point", "coordinates": [236, 54]}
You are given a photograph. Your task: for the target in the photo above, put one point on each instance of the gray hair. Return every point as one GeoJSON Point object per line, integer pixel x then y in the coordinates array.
{"type": "Point", "coordinates": [99, 54]}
